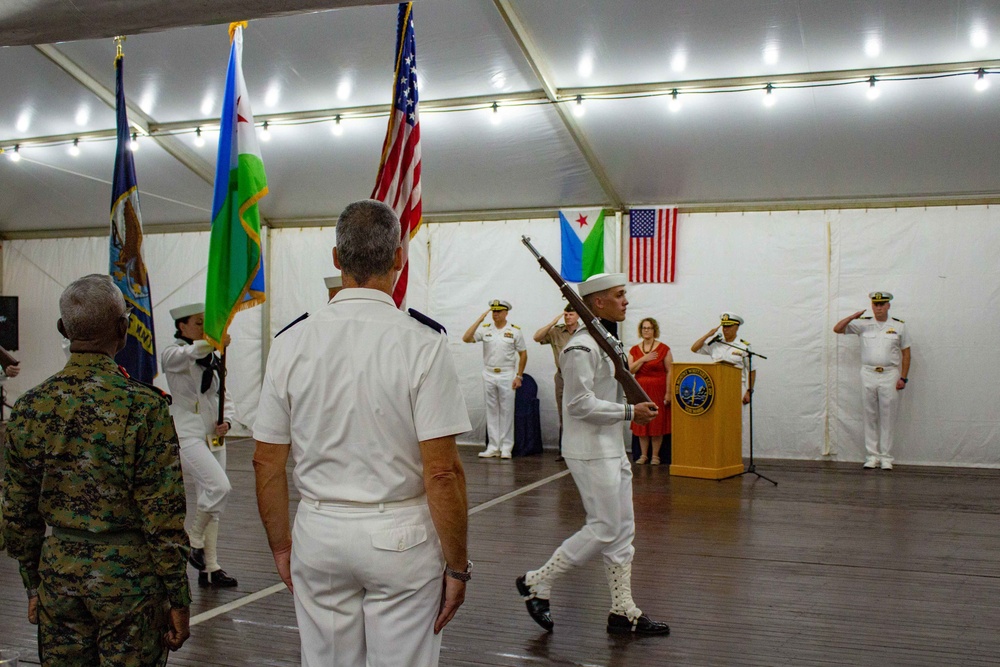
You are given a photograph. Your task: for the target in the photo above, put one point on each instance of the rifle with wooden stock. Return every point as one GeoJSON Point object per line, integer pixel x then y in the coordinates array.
{"type": "Point", "coordinates": [609, 344]}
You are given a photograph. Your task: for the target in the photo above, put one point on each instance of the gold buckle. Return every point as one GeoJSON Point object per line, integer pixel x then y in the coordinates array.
{"type": "Point", "coordinates": [497, 370]}
{"type": "Point", "coordinates": [879, 369]}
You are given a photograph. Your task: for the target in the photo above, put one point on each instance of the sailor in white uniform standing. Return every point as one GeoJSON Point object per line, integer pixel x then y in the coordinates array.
{"type": "Point", "coordinates": [723, 346]}
{"type": "Point", "coordinates": [885, 370]}
{"type": "Point", "coordinates": [192, 370]}
{"type": "Point", "coordinates": [503, 348]}
{"type": "Point", "coordinates": [367, 401]}
{"type": "Point", "coordinates": [594, 450]}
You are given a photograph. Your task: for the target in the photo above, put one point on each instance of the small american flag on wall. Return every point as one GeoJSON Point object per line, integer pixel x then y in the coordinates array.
{"type": "Point", "coordinates": [652, 247]}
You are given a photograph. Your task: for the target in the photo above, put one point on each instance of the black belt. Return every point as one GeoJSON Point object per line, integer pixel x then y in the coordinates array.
{"type": "Point", "coordinates": [114, 537]}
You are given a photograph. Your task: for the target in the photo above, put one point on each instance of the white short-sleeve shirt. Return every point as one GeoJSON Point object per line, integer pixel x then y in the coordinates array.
{"type": "Point", "coordinates": [882, 343]}
{"type": "Point", "coordinates": [500, 346]}
{"type": "Point", "coordinates": [355, 388]}
{"type": "Point", "coordinates": [736, 356]}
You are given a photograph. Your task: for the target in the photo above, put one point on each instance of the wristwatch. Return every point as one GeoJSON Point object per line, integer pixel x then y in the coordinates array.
{"type": "Point", "coordinates": [461, 576]}
{"type": "Point", "coordinates": [905, 380]}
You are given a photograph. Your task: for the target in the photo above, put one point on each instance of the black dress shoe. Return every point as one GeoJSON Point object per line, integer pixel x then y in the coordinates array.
{"type": "Point", "coordinates": [560, 458]}
{"type": "Point", "coordinates": [619, 624]}
{"type": "Point", "coordinates": [538, 608]}
{"type": "Point", "coordinates": [197, 559]}
{"type": "Point", "coordinates": [217, 579]}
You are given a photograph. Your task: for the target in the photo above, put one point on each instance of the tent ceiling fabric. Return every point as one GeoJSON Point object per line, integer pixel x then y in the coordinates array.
{"type": "Point", "coordinates": [46, 21]}
{"type": "Point", "coordinates": [918, 139]}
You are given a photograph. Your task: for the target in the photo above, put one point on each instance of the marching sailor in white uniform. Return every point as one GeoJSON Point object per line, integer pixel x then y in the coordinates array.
{"type": "Point", "coordinates": [594, 449]}
{"type": "Point", "coordinates": [503, 347]}
{"type": "Point", "coordinates": [192, 369]}
{"type": "Point", "coordinates": [885, 370]}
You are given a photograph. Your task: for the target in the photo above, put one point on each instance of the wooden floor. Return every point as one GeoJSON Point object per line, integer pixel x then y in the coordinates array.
{"type": "Point", "coordinates": [834, 566]}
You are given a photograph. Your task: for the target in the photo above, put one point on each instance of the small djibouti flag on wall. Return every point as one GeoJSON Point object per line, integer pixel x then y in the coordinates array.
{"type": "Point", "coordinates": [588, 244]}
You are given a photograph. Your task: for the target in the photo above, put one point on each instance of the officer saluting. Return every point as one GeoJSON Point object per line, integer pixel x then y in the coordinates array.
{"type": "Point", "coordinates": [885, 369]}
{"type": "Point", "coordinates": [724, 347]}
{"type": "Point", "coordinates": [503, 344]}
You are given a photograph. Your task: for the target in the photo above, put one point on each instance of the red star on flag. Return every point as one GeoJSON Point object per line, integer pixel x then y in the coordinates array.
{"type": "Point", "coordinates": [239, 118]}
{"type": "Point", "coordinates": [582, 220]}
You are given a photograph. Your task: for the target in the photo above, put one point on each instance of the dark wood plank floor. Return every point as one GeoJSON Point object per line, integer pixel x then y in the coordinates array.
{"type": "Point", "coordinates": [835, 566]}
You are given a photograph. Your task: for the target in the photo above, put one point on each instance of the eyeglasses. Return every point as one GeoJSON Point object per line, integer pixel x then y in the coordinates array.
{"type": "Point", "coordinates": [128, 313]}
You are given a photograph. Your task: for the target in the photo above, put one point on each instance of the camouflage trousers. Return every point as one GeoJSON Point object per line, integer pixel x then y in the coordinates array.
{"type": "Point", "coordinates": [78, 631]}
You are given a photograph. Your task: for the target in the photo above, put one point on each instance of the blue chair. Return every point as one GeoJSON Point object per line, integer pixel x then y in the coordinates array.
{"type": "Point", "coordinates": [527, 422]}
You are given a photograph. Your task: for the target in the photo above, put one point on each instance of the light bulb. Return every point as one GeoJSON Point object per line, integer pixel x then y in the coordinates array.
{"type": "Point", "coordinates": [134, 144]}
{"type": "Point", "coordinates": [199, 141]}
{"type": "Point", "coordinates": [495, 117]}
{"type": "Point", "coordinates": [74, 149]}
{"type": "Point", "coordinates": [265, 132]}
{"type": "Point", "coordinates": [578, 109]}
{"type": "Point", "coordinates": [15, 155]}
{"type": "Point", "coordinates": [873, 92]}
{"type": "Point", "coordinates": [769, 99]}
{"type": "Point", "coordinates": [674, 104]}
{"type": "Point", "coordinates": [338, 128]}
{"type": "Point", "coordinates": [981, 82]}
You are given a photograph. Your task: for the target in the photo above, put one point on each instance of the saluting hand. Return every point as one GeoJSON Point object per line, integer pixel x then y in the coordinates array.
{"type": "Point", "coordinates": [858, 314]}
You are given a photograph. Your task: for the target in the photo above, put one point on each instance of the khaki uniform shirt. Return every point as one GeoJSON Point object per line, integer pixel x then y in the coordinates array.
{"type": "Point", "coordinates": [557, 337]}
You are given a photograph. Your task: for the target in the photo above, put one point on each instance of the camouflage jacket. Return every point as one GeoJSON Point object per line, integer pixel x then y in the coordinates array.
{"type": "Point", "coordinates": [90, 450]}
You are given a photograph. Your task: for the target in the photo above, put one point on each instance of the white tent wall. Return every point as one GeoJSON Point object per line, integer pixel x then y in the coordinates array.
{"type": "Point", "coordinates": [791, 274]}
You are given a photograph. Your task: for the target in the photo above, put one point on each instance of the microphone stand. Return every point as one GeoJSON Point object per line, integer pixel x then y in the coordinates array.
{"type": "Point", "coordinates": [751, 469]}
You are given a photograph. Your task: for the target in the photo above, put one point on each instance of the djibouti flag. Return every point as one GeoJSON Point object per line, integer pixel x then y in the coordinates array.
{"type": "Point", "coordinates": [588, 245]}
{"type": "Point", "coordinates": [235, 261]}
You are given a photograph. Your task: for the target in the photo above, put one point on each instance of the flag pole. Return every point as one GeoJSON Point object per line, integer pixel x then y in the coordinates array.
{"type": "Point", "coordinates": [219, 440]}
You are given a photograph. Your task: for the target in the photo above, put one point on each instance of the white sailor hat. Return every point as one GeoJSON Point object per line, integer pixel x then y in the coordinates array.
{"type": "Point", "coordinates": [880, 297]}
{"type": "Point", "coordinates": [600, 282]}
{"type": "Point", "coordinates": [332, 282]}
{"type": "Point", "coordinates": [499, 304]}
{"type": "Point", "coordinates": [729, 319]}
{"type": "Point", "coordinates": [180, 312]}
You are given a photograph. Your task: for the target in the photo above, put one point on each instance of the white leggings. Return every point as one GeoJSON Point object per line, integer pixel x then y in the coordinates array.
{"type": "Point", "coordinates": [208, 470]}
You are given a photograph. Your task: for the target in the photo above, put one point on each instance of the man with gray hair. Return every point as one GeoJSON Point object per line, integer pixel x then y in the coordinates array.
{"type": "Point", "coordinates": [368, 403]}
{"type": "Point", "coordinates": [93, 454]}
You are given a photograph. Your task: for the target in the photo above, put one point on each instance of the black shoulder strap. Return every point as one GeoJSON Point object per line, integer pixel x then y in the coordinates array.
{"type": "Point", "coordinates": [292, 324]}
{"type": "Point", "coordinates": [426, 321]}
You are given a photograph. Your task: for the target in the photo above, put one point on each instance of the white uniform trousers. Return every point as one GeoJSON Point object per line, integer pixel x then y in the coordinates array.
{"type": "Point", "coordinates": [208, 470]}
{"type": "Point", "coordinates": [880, 398]}
{"type": "Point", "coordinates": [499, 410]}
{"type": "Point", "coordinates": [605, 487]}
{"type": "Point", "coordinates": [368, 584]}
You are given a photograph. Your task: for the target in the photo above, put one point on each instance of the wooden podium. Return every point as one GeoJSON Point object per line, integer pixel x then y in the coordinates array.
{"type": "Point", "coordinates": [707, 412]}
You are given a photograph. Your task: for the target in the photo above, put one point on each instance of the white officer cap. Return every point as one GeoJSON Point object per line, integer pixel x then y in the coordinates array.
{"type": "Point", "coordinates": [499, 304]}
{"type": "Point", "coordinates": [180, 312]}
{"type": "Point", "coordinates": [880, 297]}
{"type": "Point", "coordinates": [729, 319]}
{"type": "Point", "coordinates": [600, 282]}
{"type": "Point", "coordinates": [332, 282]}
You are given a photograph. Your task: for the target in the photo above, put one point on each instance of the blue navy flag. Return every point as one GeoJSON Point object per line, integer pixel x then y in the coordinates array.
{"type": "Point", "coordinates": [127, 267]}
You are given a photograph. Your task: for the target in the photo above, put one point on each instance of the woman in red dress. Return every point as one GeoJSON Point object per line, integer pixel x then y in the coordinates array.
{"type": "Point", "coordinates": [652, 364]}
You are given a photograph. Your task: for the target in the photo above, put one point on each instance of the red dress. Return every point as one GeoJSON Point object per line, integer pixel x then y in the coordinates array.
{"type": "Point", "coordinates": [652, 377]}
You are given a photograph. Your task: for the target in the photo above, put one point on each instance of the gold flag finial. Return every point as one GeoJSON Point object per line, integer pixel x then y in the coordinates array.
{"type": "Point", "coordinates": [233, 26]}
{"type": "Point", "coordinates": [119, 40]}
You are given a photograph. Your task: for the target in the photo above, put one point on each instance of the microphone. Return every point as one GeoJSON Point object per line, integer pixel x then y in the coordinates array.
{"type": "Point", "coordinates": [716, 339]}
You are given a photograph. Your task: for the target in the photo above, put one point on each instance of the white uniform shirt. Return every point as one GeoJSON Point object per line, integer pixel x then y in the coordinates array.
{"type": "Point", "coordinates": [355, 388]}
{"type": "Point", "coordinates": [500, 346]}
{"type": "Point", "coordinates": [882, 343]}
{"type": "Point", "coordinates": [735, 356]}
{"type": "Point", "coordinates": [195, 413]}
{"type": "Point", "coordinates": [593, 401]}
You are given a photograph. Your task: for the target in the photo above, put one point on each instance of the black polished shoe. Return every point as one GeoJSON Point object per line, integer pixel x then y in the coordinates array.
{"type": "Point", "coordinates": [538, 608]}
{"type": "Point", "coordinates": [217, 579]}
{"type": "Point", "coordinates": [560, 458]}
{"type": "Point", "coordinates": [196, 557]}
{"type": "Point", "coordinates": [619, 624]}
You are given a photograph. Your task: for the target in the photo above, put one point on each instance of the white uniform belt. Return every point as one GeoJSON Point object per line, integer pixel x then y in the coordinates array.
{"type": "Point", "coordinates": [490, 369]}
{"type": "Point", "coordinates": [381, 507]}
{"type": "Point", "coordinates": [879, 369]}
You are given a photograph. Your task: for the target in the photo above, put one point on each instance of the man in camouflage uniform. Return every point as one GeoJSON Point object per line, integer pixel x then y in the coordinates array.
{"type": "Point", "coordinates": [94, 455]}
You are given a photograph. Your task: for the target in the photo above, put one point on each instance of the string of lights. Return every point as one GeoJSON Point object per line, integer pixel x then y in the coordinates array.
{"type": "Point", "coordinates": [871, 80]}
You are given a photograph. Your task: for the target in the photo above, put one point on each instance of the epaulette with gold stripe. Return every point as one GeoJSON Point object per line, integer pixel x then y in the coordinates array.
{"type": "Point", "coordinates": [899, 320]}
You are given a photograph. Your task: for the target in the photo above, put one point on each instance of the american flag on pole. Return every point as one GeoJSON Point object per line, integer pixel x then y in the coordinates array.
{"type": "Point", "coordinates": [398, 183]}
{"type": "Point", "coordinates": [652, 246]}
